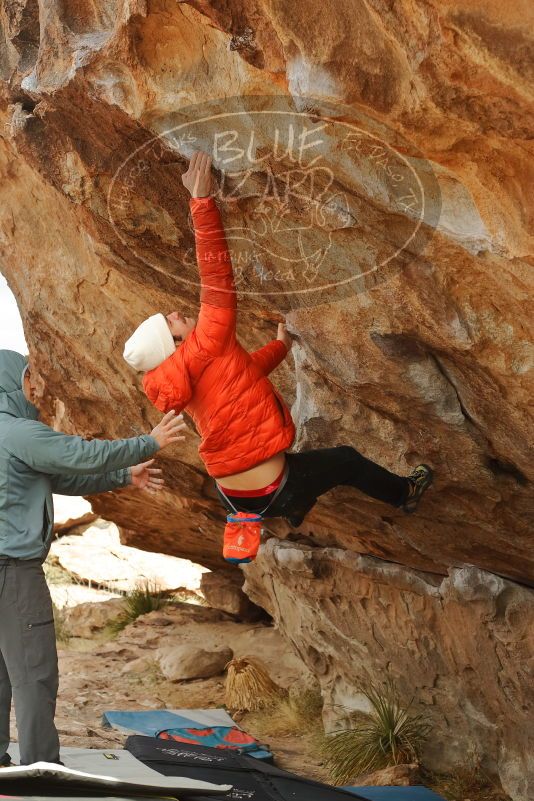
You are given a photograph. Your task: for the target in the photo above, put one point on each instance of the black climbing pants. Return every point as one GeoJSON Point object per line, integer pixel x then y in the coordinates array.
{"type": "Point", "coordinates": [312, 473]}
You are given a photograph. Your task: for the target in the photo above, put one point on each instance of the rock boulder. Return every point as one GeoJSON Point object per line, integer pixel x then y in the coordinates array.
{"type": "Point", "coordinates": [395, 776]}
{"type": "Point", "coordinates": [184, 662]}
{"type": "Point", "coordinates": [382, 204]}
{"type": "Point", "coordinates": [83, 620]}
{"type": "Point", "coordinates": [223, 590]}
{"type": "Point", "coordinates": [460, 647]}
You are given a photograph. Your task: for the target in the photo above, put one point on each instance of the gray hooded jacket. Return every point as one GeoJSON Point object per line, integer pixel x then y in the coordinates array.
{"type": "Point", "coordinates": [36, 461]}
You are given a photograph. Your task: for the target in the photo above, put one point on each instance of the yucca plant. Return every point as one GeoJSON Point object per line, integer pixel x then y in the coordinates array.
{"type": "Point", "coordinates": [387, 736]}
{"type": "Point", "coordinates": [141, 600]}
{"type": "Point", "coordinates": [249, 686]}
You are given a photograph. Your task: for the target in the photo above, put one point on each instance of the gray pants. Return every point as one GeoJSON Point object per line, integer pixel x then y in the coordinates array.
{"type": "Point", "coordinates": [28, 660]}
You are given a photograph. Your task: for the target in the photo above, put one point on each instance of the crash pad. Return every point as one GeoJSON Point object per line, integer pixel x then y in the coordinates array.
{"type": "Point", "coordinates": [45, 778]}
{"type": "Point", "coordinates": [414, 793]}
{"type": "Point", "coordinates": [117, 763]}
{"type": "Point", "coordinates": [152, 722]}
{"type": "Point", "coordinates": [207, 727]}
{"type": "Point", "coordinates": [86, 797]}
{"type": "Point", "coordinates": [251, 779]}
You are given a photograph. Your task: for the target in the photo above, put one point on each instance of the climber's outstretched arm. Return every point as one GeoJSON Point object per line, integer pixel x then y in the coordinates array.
{"type": "Point", "coordinates": [215, 329]}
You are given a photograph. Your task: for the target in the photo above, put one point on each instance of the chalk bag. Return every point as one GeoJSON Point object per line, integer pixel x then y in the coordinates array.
{"type": "Point", "coordinates": [242, 537]}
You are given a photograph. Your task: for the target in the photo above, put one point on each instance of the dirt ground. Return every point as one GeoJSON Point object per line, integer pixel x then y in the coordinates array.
{"type": "Point", "coordinates": [96, 684]}
{"type": "Point", "coordinates": [110, 671]}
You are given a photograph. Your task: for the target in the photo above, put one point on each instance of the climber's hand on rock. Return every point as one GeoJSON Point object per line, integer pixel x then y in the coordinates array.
{"type": "Point", "coordinates": [283, 336]}
{"type": "Point", "coordinates": [147, 477]}
{"type": "Point", "coordinates": [168, 430]}
{"type": "Point", "coordinates": [198, 179]}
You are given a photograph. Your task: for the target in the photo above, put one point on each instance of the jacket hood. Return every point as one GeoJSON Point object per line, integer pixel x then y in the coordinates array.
{"type": "Point", "coordinates": [12, 398]}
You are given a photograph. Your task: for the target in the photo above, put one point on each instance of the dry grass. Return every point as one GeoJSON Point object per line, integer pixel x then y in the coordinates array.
{"type": "Point", "coordinates": [249, 686]}
{"type": "Point", "coordinates": [465, 786]}
{"type": "Point", "coordinates": [387, 736]}
{"type": "Point", "coordinates": [469, 782]}
{"type": "Point", "coordinates": [290, 714]}
{"type": "Point", "coordinates": [62, 633]}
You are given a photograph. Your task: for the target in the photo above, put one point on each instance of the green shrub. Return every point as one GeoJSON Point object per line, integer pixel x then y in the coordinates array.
{"type": "Point", "coordinates": [387, 736]}
{"type": "Point", "coordinates": [140, 601]}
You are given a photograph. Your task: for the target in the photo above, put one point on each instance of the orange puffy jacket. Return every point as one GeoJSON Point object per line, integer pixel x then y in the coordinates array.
{"type": "Point", "coordinates": [240, 417]}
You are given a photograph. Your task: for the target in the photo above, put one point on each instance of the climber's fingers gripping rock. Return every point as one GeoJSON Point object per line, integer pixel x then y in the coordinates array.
{"type": "Point", "coordinates": [284, 336]}
{"type": "Point", "coordinates": [168, 430]}
{"type": "Point", "coordinates": [198, 179]}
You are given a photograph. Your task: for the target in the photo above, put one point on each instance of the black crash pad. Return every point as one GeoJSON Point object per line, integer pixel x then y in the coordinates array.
{"type": "Point", "coordinates": [46, 779]}
{"type": "Point", "coordinates": [251, 779]}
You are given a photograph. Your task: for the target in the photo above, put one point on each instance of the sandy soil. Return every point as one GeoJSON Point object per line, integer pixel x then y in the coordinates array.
{"type": "Point", "coordinates": [99, 674]}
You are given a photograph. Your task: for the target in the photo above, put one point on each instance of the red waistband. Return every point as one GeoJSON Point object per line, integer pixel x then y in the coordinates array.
{"type": "Point", "coordinates": [255, 493]}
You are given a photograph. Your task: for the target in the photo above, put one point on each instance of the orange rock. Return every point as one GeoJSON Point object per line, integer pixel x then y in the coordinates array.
{"type": "Point", "coordinates": [426, 357]}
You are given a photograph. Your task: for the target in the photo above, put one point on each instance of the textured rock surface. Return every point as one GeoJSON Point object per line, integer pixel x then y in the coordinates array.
{"type": "Point", "coordinates": [432, 363]}
{"type": "Point", "coordinates": [183, 662]}
{"type": "Point", "coordinates": [63, 528]}
{"type": "Point", "coordinates": [396, 776]}
{"type": "Point", "coordinates": [462, 644]}
{"type": "Point", "coordinates": [224, 591]}
{"type": "Point", "coordinates": [98, 558]}
{"type": "Point", "coordinates": [84, 619]}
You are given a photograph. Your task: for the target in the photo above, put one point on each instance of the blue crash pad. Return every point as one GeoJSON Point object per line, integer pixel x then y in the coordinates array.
{"type": "Point", "coordinates": [216, 723]}
{"type": "Point", "coordinates": [415, 793]}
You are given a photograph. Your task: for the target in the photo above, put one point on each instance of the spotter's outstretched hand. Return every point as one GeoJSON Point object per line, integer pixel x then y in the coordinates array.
{"type": "Point", "coordinates": [169, 429]}
{"type": "Point", "coordinates": [146, 477]}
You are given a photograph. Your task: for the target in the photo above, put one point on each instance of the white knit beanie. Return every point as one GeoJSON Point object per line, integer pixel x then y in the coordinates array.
{"type": "Point", "coordinates": [150, 344]}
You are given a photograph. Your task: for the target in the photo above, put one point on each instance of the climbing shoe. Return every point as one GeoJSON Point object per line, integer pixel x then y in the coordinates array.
{"type": "Point", "coordinates": [419, 480]}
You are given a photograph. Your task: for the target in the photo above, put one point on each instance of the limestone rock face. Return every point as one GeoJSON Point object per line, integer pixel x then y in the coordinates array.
{"type": "Point", "coordinates": [374, 164]}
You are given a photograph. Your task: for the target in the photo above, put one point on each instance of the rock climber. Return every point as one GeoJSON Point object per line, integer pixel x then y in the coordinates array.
{"type": "Point", "coordinates": [36, 461]}
{"type": "Point", "coordinates": [246, 428]}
